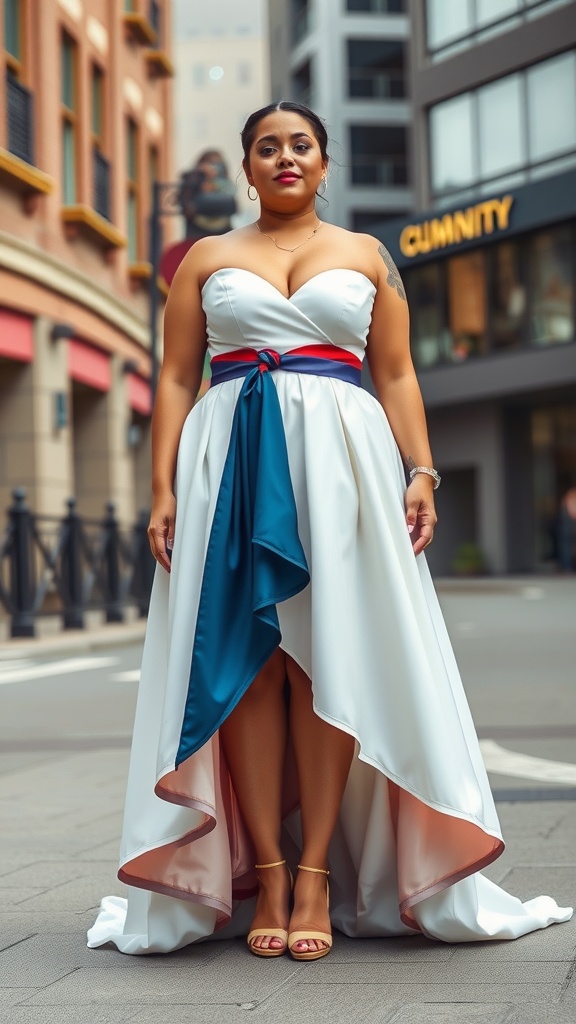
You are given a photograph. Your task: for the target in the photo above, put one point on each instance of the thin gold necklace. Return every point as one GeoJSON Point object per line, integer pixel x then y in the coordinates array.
{"type": "Point", "coordinates": [283, 247]}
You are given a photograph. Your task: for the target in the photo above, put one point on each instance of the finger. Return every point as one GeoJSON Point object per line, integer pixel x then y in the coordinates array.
{"type": "Point", "coordinates": [157, 538]}
{"type": "Point", "coordinates": [412, 515]}
{"type": "Point", "coordinates": [423, 541]}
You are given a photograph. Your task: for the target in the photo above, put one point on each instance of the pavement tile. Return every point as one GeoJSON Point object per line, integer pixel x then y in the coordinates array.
{"type": "Point", "coordinates": [480, 973]}
{"type": "Point", "coordinates": [13, 996]}
{"type": "Point", "coordinates": [47, 873]}
{"type": "Point", "coordinates": [76, 895]}
{"type": "Point", "coordinates": [415, 949]}
{"type": "Point", "coordinates": [555, 943]}
{"type": "Point", "coordinates": [180, 985]}
{"type": "Point", "coordinates": [528, 881]}
{"type": "Point", "coordinates": [15, 933]}
{"type": "Point", "coordinates": [338, 1004]}
{"type": "Point", "coordinates": [450, 1013]}
{"type": "Point", "coordinates": [13, 860]}
{"type": "Point", "coordinates": [12, 897]}
{"type": "Point", "coordinates": [63, 1015]}
{"type": "Point", "coordinates": [559, 1013]}
{"type": "Point", "coordinates": [444, 993]}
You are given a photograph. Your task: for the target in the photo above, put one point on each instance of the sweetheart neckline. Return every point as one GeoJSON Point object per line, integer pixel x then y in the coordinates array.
{"type": "Point", "coordinates": [288, 298]}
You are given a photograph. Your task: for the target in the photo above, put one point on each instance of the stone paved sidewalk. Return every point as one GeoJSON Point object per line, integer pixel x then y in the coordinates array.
{"type": "Point", "coordinates": [61, 819]}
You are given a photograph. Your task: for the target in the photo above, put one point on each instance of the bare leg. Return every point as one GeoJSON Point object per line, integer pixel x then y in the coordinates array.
{"type": "Point", "coordinates": [254, 740]}
{"type": "Point", "coordinates": [323, 757]}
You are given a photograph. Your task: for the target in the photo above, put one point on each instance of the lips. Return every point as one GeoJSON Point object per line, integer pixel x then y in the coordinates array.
{"type": "Point", "coordinates": [287, 177]}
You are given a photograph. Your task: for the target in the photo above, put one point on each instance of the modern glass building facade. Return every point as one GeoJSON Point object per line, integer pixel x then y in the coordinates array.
{"type": "Point", "coordinates": [489, 264]}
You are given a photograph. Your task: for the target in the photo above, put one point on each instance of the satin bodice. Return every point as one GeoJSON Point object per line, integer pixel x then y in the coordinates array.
{"type": "Point", "coordinates": [243, 309]}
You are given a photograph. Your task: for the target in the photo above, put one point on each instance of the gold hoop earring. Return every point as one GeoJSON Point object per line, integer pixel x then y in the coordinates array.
{"type": "Point", "coordinates": [252, 198]}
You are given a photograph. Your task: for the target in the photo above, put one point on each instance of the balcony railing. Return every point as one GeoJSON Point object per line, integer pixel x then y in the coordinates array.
{"type": "Point", "coordinates": [365, 83]}
{"type": "Point", "coordinates": [101, 184]}
{"type": "Point", "coordinates": [20, 116]}
{"type": "Point", "coordinates": [389, 171]}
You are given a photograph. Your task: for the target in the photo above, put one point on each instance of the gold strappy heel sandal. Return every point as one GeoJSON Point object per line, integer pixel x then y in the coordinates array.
{"type": "Point", "coordinates": [294, 937]}
{"type": "Point", "coordinates": [273, 933]}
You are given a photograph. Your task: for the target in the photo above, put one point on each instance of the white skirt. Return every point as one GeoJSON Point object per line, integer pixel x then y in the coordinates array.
{"type": "Point", "coordinates": [417, 820]}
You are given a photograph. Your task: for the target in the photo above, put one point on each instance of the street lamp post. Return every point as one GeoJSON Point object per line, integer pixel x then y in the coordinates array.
{"type": "Point", "coordinates": [166, 202]}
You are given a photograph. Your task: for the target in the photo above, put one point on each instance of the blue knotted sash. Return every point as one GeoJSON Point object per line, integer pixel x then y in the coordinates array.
{"type": "Point", "coordinates": [254, 558]}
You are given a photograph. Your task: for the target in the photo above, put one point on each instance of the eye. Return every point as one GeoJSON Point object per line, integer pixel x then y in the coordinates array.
{"type": "Point", "coordinates": [265, 151]}
{"type": "Point", "coordinates": [303, 146]}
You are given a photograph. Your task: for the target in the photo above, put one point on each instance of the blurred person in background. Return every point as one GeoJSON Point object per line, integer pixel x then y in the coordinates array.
{"type": "Point", "coordinates": [299, 699]}
{"type": "Point", "coordinates": [207, 196]}
{"type": "Point", "coordinates": [566, 530]}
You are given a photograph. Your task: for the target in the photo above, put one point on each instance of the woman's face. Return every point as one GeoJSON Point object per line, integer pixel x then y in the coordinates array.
{"type": "Point", "coordinates": [285, 162]}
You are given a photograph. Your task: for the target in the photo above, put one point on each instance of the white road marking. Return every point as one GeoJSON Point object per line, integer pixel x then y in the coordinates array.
{"type": "Point", "coordinates": [523, 766]}
{"type": "Point", "coordinates": [54, 668]}
{"type": "Point", "coordinates": [532, 593]}
{"type": "Point", "coordinates": [131, 676]}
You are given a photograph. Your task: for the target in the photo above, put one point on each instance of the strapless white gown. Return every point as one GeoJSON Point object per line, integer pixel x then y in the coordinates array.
{"type": "Point", "coordinates": [417, 820]}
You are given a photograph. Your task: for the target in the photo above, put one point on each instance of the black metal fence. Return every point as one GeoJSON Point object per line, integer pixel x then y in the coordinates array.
{"type": "Point", "coordinates": [70, 565]}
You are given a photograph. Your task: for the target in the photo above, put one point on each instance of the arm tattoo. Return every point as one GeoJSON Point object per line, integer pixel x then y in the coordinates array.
{"type": "Point", "coordinates": [410, 463]}
{"type": "Point", "coordinates": [393, 278]}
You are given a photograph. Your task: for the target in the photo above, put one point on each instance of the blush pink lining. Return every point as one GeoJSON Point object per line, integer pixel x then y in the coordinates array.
{"type": "Point", "coordinates": [434, 849]}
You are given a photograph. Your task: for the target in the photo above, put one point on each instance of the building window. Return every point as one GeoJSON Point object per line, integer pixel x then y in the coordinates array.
{"type": "Point", "coordinates": [13, 32]}
{"type": "Point", "coordinates": [378, 155]}
{"type": "Point", "coordinates": [368, 221]}
{"type": "Point", "coordinates": [302, 84]}
{"type": "Point", "coordinates": [479, 139]}
{"type": "Point", "coordinates": [100, 165]}
{"type": "Point", "coordinates": [153, 169]}
{"type": "Point", "coordinates": [516, 294]}
{"type": "Point", "coordinates": [455, 25]}
{"type": "Point", "coordinates": [551, 286]}
{"type": "Point", "coordinates": [376, 69]}
{"type": "Point", "coordinates": [552, 107]}
{"type": "Point", "coordinates": [376, 6]}
{"type": "Point", "coordinates": [132, 198]}
{"type": "Point", "coordinates": [507, 296]}
{"type": "Point", "coordinates": [68, 58]}
{"type": "Point", "coordinates": [426, 292]}
{"type": "Point", "coordinates": [301, 19]}
{"type": "Point", "coordinates": [19, 99]}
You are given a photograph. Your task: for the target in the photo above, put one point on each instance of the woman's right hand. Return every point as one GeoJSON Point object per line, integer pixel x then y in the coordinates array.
{"type": "Point", "coordinates": [161, 529]}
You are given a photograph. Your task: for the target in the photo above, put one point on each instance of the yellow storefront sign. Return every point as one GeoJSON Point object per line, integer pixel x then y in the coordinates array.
{"type": "Point", "coordinates": [459, 226]}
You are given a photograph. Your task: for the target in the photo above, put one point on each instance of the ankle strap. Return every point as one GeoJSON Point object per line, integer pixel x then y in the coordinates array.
{"type": "Point", "coordinates": [275, 864]}
{"type": "Point", "coordinates": [318, 871]}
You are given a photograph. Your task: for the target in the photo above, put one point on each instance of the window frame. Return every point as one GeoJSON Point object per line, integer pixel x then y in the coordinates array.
{"type": "Point", "coordinates": [524, 169]}
{"type": "Point", "coordinates": [133, 191]}
{"type": "Point", "coordinates": [69, 116]}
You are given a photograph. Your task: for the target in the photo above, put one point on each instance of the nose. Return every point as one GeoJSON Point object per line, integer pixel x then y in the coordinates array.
{"type": "Point", "coordinates": [285, 156]}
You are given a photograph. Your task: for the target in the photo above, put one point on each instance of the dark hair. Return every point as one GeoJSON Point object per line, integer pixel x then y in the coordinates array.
{"type": "Point", "coordinates": [248, 132]}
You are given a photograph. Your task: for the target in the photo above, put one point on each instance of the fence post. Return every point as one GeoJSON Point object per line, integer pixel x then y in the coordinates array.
{"type": "Point", "coordinates": [22, 588]}
{"type": "Point", "coordinates": [143, 564]}
{"type": "Point", "coordinates": [73, 614]}
{"type": "Point", "coordinates": [112, 566]}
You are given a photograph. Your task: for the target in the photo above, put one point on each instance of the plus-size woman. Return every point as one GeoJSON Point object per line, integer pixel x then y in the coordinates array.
{"type": "Point", "coordinates": [299, 698]}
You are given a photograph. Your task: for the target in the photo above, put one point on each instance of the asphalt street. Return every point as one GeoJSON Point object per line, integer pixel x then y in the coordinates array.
{"type": "Point", "coordinates": [66, 709]}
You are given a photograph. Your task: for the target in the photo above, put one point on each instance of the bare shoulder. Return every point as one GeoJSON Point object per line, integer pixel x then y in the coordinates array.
{"type": "Point", "coordinates": [207, 255]}
{"type": "Point", "coordinates": [386, 268]}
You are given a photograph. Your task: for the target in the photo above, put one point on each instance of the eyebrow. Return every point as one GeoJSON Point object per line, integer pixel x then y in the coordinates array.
{"type": "Point", "coordinates": [274, 138]}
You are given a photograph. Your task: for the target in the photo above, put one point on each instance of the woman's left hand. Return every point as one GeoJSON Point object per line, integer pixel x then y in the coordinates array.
{"type": "Point", "coordinates": [420, 513]}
